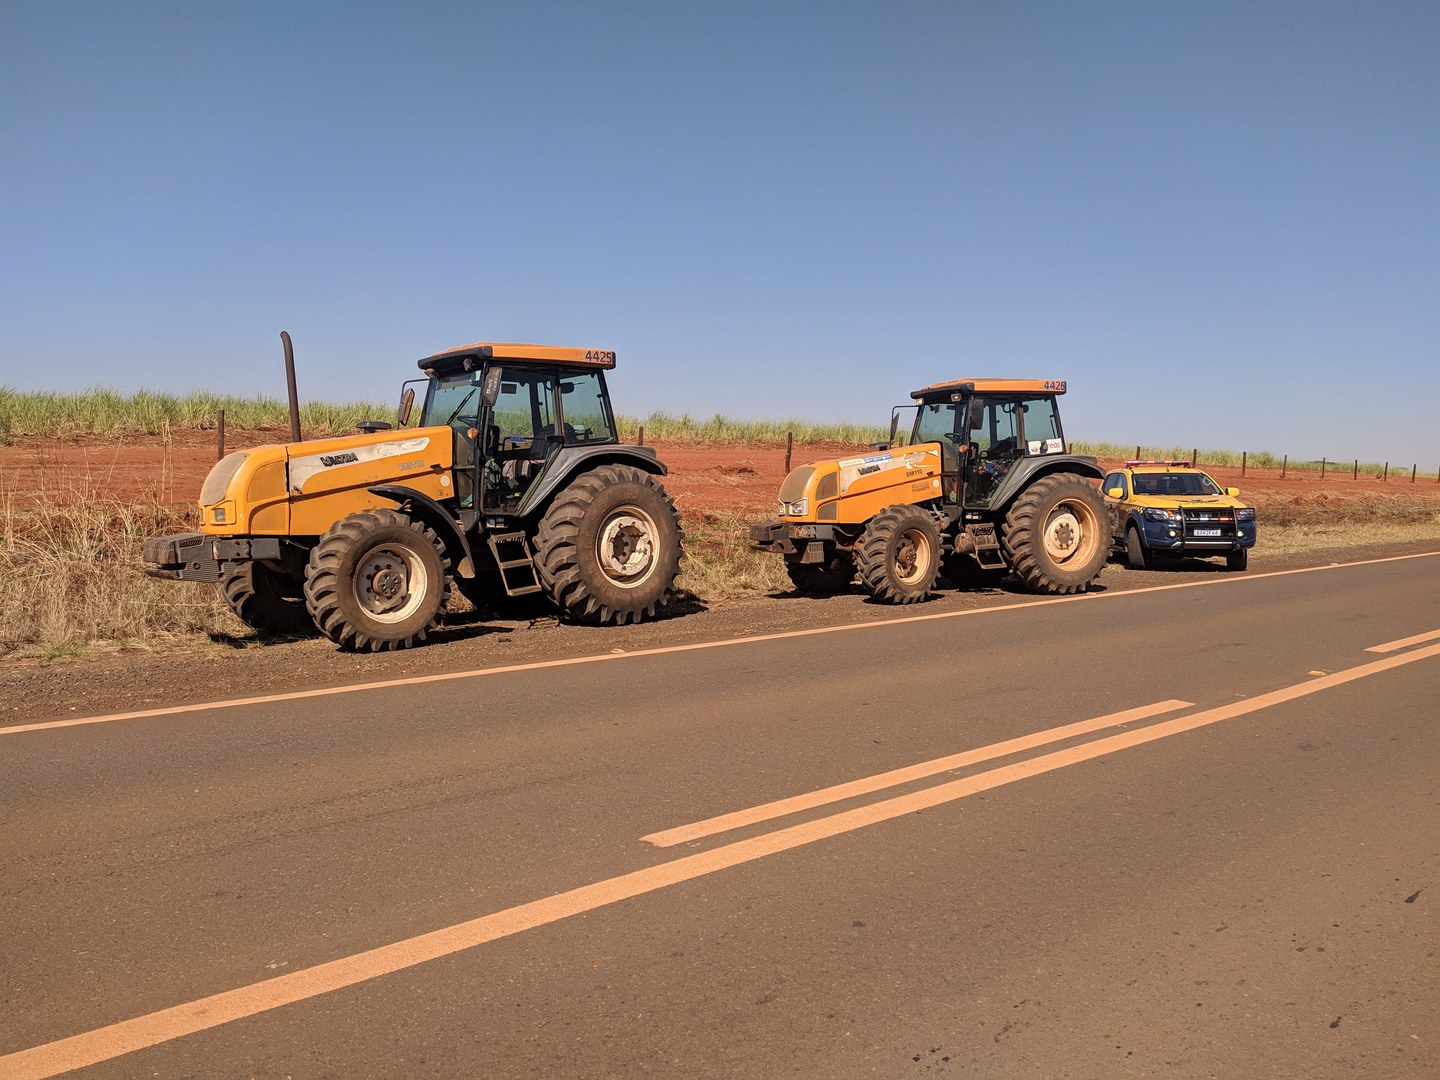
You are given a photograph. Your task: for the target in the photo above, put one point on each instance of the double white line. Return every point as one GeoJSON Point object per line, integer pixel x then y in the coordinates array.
{"type": "Point", "coordinates": [110, 1042]}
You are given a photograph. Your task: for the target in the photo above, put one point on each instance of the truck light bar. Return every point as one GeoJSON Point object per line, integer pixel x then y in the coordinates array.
{"type": "Point", "coordinates": [1163, 463]}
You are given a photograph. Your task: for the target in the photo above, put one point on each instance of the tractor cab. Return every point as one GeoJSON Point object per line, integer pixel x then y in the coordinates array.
{"type": "Point", "coordinates": [514, 411]}
{"type": "Point", "coordinates": [985, 427]}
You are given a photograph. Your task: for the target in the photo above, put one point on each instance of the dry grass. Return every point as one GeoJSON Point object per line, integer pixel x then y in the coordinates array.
{"type": "Point", "coordinates": [71, 564]}
{"type": "Point", "coordinates": [70, 559]}
{"type": "Point", "coordinates": [719, 563]}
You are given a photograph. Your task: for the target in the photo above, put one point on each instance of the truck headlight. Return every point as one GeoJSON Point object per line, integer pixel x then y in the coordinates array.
{"type": "Point", "coordinates": [1153, 513]}
{"type": "Point", "coordinates": [1245, 513]}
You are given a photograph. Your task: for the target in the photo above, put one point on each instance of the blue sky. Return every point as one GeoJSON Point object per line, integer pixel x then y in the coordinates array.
{"type": "Point", "coordinates": [1220, 222]}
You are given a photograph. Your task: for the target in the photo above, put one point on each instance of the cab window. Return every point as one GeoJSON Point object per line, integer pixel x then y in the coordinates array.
{"type": "Point", "coordinates": [1042, 426]}
{"type": "Point", "coordinates": [585, 410]}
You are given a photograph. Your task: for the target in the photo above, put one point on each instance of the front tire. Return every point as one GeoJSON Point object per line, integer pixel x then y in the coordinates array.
{"type": "Point", "coordinates": [898, 556]}
{"type": "Point", "coordinates": [1135, 555]}
{"type": "Point", "coordinates": [1055, 535]}
{"type": "Point", "coordinates": [1239, 559]}
{"type": "Point", "coordinates": [608, 549]}
{"type": "Point", "coordinates": [822, 579]}
{"type": "Point", "coordinates": [268, 601]}
{"type": "Point", "coordinates": [376, 581]}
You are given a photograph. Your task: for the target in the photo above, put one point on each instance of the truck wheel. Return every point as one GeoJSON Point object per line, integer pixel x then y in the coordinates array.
{"type": "Point", "coordinates": [1238, 559]}
{"type": "Point", "coordinates": [964, 572]}
{"type": "Point", "coordinates": [267, 600]}
{"type": "Point", "coordinates": [1055, 536]}
{"type": "Point", "coordinates": [377, 580]}
{"type": "Point", "coordinates": [822, 579]}
{"type": "Point", "coordinates": [608, 549]}
{"type": "Point", "coordinates": [898, 556]}
{"type": "Point", "coordinates": [1135, 549]}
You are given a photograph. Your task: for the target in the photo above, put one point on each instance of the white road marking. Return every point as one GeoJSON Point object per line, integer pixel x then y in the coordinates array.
{"type": "Point", "coordinates": [1404, 643]}
{"type": "Point", "coordinates": [896, 777]}
{"type": "Point", "coordinates": [127, 1036]}
{"type": "Point", "coordinates": [540, 665]}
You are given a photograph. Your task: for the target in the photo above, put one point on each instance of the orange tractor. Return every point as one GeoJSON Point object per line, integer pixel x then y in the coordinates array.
{"type": "Point", "coordinates": [983, 487]}
{"type": "Point", "coordinates": [514, 482]}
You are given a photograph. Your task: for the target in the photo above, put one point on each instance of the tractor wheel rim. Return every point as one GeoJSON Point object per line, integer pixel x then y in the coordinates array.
{"type": "Point", "coordinates": [1069, 532]}
{"type": "Point", "coordinates": [626, 546]}
{"type": "Point", "coordinates": [390, 583]}
{"type": "Point", "coordinates": [912, 557]}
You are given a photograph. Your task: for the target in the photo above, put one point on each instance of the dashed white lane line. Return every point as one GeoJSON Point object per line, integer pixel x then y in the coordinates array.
{"type": "Point", "coordinates": [128, 1036]}
{"type": "Point", "coordinates": [825, 796]}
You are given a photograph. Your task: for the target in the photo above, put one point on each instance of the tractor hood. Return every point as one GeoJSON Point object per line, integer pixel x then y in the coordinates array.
{"type": "Point", "coordinates": [815, 491]}
{"type": "Point", "coordinates": [301, 488]}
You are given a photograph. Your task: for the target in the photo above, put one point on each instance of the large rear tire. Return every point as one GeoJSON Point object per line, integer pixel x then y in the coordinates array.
{"type": "Point", "coordinates": [376, 581]}
{"type": "Point", "coordinates": [822, 579]}
{"type": "Point", "coordinates": [608, 549]}
{"type": "Point", "coordinates": [1055, 535]}
{"type": "Point", "coordinates": [898, 556]}
{"type": "Point", "coordinates": [268, 601]}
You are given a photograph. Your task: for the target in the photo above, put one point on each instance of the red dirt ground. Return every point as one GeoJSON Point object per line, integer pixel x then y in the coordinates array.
{"type": "Point", "coordinates": [710, 480]}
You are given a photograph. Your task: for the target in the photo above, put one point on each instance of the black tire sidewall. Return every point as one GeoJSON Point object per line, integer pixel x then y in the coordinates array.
{"type": "Point", "coordinates": [1060, 488]}
{"type": "Point", "coordinates": [591, 595]}
{"type": "Point", "coordinates": [875, 555]}
{"type": "Point", "coordinates": [365, 629]}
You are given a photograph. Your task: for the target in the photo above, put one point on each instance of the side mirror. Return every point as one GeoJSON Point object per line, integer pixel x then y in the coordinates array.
{"type": "Point", "coordinates": [407, 405]}
{"type": "Point", "coordinates": [1233, 492]}
{"type": "Point", "coordinates": [1115, 493]}
{"type": "Point", "coordinates": [490, 393]}
{"type": "Point", "coordinates": [976, 416]}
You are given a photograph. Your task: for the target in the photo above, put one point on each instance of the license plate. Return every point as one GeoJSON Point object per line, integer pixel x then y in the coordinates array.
{"type": "Point", "coordinates": [1207, 532]}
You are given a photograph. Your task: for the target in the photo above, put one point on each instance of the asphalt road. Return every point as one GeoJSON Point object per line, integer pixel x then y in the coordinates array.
{"type": "Point", "coordinates": [1186, 832]}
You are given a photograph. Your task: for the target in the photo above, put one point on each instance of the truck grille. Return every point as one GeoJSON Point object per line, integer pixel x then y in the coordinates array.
{"type": "Point", "coordinates": [1211, 525]}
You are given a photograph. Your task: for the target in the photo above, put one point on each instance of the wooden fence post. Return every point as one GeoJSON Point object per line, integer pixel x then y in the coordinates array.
{"type": "Point", "coordinates": [220, 436]}
{"type": "Point", "coordinates": [1412, 471]}
{"type": "Point", "coordinates": [1194, 459]}
{"type": "Point", "coordinates": [1385, 477]}
{"type": "Point", "coordinates": [1356, 474]}
{"type": "Point", "coordinates": [789, 446]}
{"type": "Point", "coordinates": [1285, 461]}
{"type": "Point", "coordinates": [1243, 455]}
{"type": "Point", "coordinates": [1322, 468]}
{"type": "Point", "coordinates": [641, 440]}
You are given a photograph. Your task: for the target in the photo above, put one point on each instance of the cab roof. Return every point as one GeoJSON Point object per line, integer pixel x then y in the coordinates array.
{"type": "Point", "coordinates": [478, 352]}
{"type": "Point", "coordinates": [992, 386]}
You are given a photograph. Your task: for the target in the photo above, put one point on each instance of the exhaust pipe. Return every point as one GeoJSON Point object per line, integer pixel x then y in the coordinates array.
{"type": "Point", "coordinates": [290, 387]}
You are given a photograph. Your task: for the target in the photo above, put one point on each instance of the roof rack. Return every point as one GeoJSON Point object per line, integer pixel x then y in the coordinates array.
{"type": "Point", "coordinates": [1164, 462]}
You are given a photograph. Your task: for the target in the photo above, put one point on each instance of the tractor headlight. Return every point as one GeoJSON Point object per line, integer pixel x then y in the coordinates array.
{"type": "Point", "coordinates": [798, 508]}
{"type": "Point", "coordinates": [1153, 513]}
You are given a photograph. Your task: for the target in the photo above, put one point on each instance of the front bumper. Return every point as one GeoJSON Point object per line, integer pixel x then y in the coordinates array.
{"type": "Point", "coordinates": [1175, 539]}
{"type": "Point", "coordinates": [798, 541]}
{"type": "Point", "coordinates": [198, 557]}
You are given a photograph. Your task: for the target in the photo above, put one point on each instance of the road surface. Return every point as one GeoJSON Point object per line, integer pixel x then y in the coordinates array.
{"type": "Point", "coordinates": [1190, 831]}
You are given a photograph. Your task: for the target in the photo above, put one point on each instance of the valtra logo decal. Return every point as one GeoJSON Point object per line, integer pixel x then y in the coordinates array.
{"type": "Point", "coordinates": [303, 468]}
